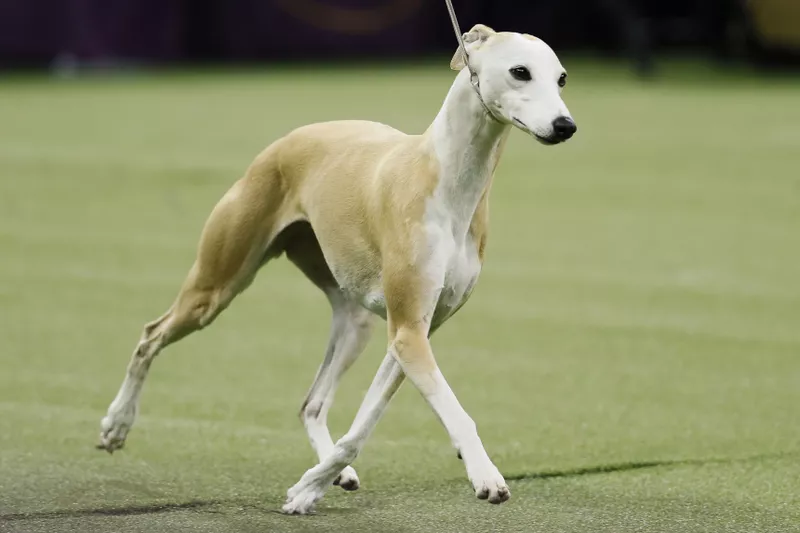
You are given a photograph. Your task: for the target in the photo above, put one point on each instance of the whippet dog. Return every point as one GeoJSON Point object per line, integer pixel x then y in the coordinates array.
{"type": "Point", "coordinates": [384, 224]}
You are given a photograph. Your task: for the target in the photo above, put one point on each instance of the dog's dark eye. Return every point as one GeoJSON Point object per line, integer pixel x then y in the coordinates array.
{"type": "Point", "coordinates": [521, 73]}
{"type": "Point", "coordinates": [562, 80]}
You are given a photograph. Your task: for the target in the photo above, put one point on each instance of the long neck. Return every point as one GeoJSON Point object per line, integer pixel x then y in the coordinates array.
{"type": "Point", "coordinates": [468, 144]}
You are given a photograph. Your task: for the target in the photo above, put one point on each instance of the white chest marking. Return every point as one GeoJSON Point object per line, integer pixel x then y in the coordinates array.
{"type": "Point", "coordinates": [453, 264]}
{"type": "Point", "coordinates": [461, 272]}
{"type": "Point", "coordinates": [467, 146]}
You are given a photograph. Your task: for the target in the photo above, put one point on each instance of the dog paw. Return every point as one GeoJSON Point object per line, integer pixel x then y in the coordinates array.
{"type": "Point", "coordinates": [491, 487]}
{"type": "Point", "coordinates": [114, 429]}
{"type": "Point", "coordinates": [348, 479]}
{"type": "Point", "coordinates": [301, 500]}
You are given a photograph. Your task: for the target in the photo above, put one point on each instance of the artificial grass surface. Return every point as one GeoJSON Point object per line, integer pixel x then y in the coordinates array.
{"type": "Point", "coordinates": [630, 354]}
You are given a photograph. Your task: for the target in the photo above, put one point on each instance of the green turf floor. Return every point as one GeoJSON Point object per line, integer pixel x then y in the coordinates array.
{"type": "Point", "coordinates": [631, 355]}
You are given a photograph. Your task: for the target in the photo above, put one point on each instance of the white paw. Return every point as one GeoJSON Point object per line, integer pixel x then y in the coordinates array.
{"type": "Point", "coordinates": [114, 428]}
{"type": "Point", "coordinates": [301, 499]}
{"type": "Point", "coordinates": [490, 485]}
{"type": "Point", "coordinates": [348, 479]}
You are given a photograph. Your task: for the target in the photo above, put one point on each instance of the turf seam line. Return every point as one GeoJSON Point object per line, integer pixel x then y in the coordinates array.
{"type": "Point", "coordinates": [638, 465]}
{"type": "Point", "coordinates": [116, 511]}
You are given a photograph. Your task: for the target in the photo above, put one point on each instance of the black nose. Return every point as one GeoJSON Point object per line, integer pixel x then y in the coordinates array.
{"type": "Point", "coordinates": [564, 128]}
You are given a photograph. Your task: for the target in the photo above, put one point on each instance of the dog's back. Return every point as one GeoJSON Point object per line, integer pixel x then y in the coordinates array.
{"type": "Point", "coordinates": [366, 172]}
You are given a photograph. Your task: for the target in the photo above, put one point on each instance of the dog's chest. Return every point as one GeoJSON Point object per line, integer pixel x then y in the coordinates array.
{"type": "Point", "coordinates": [462, 266]}
{"type": "Point", "coordinates": [450, 272]}
{"type": "Point", "coordinates": [443, 256]}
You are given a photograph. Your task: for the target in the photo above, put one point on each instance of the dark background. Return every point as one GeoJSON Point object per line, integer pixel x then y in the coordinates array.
{"type": "Point", "coordinates": [38, 33]}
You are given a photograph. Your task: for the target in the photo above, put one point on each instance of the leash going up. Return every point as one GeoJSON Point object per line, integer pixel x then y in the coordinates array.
{"type": "Point", "coordinates": [473, 77]}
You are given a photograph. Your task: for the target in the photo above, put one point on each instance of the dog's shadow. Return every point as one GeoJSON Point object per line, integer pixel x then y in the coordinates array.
{"type": "Point", "coordinates": [234, 506]}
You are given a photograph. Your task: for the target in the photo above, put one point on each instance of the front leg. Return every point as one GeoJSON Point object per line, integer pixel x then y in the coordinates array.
{"type": "Point", "coordinates": [412, 350]}
{"type": "Point", "coordinates": [301, 498]}
{"type": "Point", "coordinates": [409, 355]}
{"type": "Point", "coordinates": [410, 303]}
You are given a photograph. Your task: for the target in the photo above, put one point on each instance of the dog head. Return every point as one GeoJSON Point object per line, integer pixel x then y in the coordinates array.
{"type": "Point", "coordinates": [520, 80]}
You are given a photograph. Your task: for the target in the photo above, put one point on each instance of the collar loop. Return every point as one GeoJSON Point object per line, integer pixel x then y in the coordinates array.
{"type": "Point", "coordinates": [473, 76]}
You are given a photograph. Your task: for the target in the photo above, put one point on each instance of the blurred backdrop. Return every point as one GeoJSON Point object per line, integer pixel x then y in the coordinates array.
{"type": "Point", "coordinates": [93, 33]}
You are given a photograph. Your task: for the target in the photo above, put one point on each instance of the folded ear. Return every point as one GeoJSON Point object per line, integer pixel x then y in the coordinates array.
{"type": "Point", "coordinates": [478, 34]}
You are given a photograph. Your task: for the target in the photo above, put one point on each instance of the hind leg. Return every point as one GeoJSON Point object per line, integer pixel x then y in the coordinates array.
{"type": "Point", "coordinates": [351, 329]}
{"type": "Point", "coordinates": [193, 310]}
{"type": "Point", "coordinates": [232, 247]}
